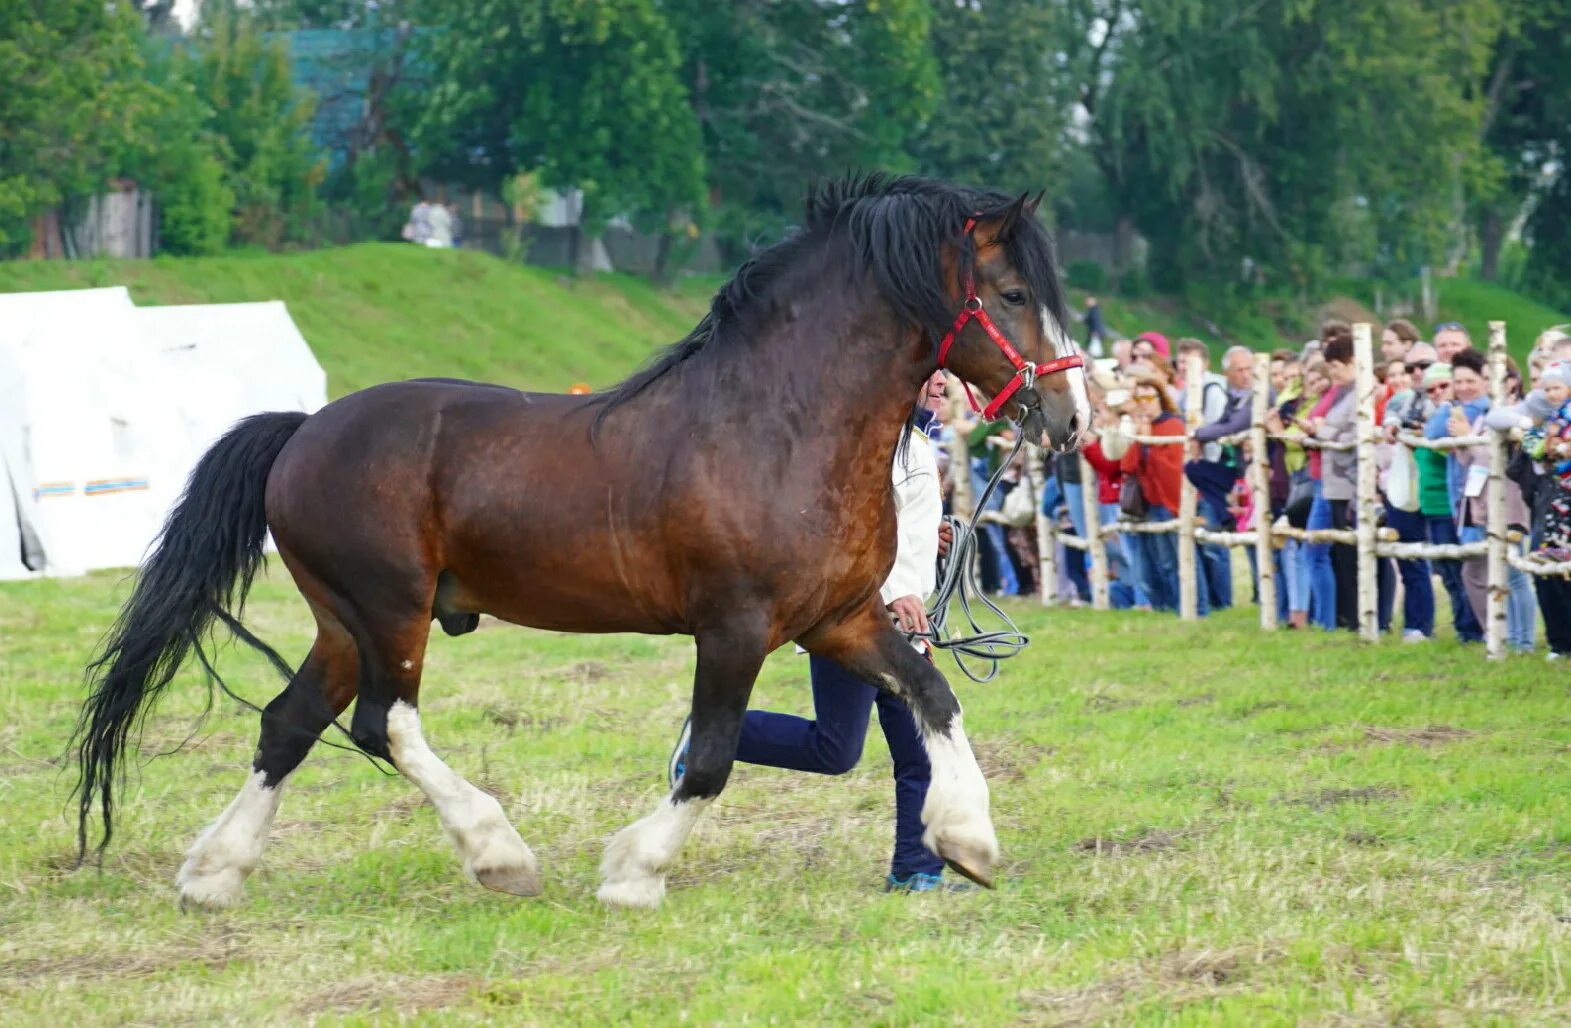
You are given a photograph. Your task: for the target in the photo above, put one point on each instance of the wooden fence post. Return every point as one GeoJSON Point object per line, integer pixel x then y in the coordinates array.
{"type": "Point", "coordinates": [1035, 472]}
{"type": "Point", "coordinates": [1499, 581]}
{"type": "Point", "coordinates": [1368, 487]}
{"type": "Point", "coordinates": [1188, 584]}
{"type": "Point", "coordinates": [1259, 475]}
{"type": "Point", "coordinates": [1096, 545]}
{"type": "Point", "coordinates": [960, 499]}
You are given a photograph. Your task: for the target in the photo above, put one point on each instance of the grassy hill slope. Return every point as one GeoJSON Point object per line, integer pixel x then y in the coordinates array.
{"type": "Point", "coordinates": [383, 311]}
{"type": "Point", "coordinates": [380, 311]}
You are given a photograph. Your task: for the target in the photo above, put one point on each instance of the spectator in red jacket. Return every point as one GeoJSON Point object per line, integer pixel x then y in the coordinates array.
{"type": "Point", "coordinates": [1159, 470]}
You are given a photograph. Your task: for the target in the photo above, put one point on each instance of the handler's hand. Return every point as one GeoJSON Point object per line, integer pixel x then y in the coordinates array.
{"type": "Point", "coordinates": [946, 538]}
{"type": "Point", "coordinates": [909, 614]}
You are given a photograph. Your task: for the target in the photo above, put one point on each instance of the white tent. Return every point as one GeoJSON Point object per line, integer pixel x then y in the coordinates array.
{"type": "Point", "coordinates": [105, 408]}
{"type": "Point", "coordinates": [230, 360]}
{"type": "Point", "coordinates": [101, 428]}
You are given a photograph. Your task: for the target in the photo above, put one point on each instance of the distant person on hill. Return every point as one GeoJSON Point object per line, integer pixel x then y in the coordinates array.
{"type": "Point", "coordinates": [418, 228]}
{"type": "Point", "coordinates": [441, 221]}
{"type": "Point", "coordinates": [458, 225]}
{"type": "Point", "coordinates": [1095, 330]}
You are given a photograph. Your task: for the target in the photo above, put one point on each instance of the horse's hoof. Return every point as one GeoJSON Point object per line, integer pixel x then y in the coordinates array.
{"type": "Point", "coordinates": [206, 893]}
{"type": "Point", "coordinates": [981, 877]}
{"type": "Point", "coordinates": [633, 893]}
{"type": "Point", "coordinates": [516, 881]}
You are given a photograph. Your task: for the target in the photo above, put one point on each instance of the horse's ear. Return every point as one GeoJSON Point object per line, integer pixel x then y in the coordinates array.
{"type": "Point", "coordinates": [1035, 202]}
{"type": "Point", "coordinates": [993, 231]}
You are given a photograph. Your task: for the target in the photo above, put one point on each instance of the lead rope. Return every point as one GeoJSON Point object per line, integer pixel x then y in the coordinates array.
{"type": "Point", "coordinates": [958, 580]}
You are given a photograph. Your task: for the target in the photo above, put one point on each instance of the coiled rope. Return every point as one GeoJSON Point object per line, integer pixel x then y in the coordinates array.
{"type": "Point", "coordinates": [958, 579]}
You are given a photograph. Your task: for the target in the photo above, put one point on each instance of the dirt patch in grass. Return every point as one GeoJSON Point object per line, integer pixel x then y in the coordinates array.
{"type": "Point", "coordinates": [1430, 735]}
{"type": "Point", "coordinates": [406, 995]}
{"type": "Point", "coordinates": [1196, 701]}
{"type": "Point", "coordinates": [1179, 978]}
{"type": "Point", "coordinates": [1263, 706]}
{"type": "Point", "coordinates": [1007, 760]}
{"type": "Point", "coordinates": [1326, 798]}
{"type": "Point", "coordinates": [512, 719]}
{"type": "Point", "coordinates": [93, 966]}
{"type": "Point", "coordinates": [1147, 840]}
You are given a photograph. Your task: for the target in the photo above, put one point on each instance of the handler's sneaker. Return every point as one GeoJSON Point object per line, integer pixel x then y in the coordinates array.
{"type": "Point", "coordinates": [922, 882]}
{"type": "Point", "coordinates": [676, 767]}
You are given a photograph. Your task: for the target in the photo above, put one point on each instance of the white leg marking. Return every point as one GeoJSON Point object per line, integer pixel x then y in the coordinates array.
{"type": "Point", "coordinates": [955, 811]}
{"type": "Point", "coordinates": [216, 866]}
{"type": "Point", "coordinates": [637, 857]}
{"type": "Point", "coordinates": [492, 851]}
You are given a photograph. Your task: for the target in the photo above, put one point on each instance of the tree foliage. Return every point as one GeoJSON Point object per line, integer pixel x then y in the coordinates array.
{"type": "Point", "coordinates": [586, 94]}
{"type": "Point", "coordinates": [70, 93]}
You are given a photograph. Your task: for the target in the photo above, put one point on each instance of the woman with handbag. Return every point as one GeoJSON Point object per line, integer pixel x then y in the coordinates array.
{"type": "Point", "coordinates": [1153, 476]}
{"type": "Point", "coordinates": [1298, 394]}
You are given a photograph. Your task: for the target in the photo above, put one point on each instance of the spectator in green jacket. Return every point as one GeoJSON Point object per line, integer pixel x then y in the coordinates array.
{"type": "Point", "coordinates": [1434, 503]}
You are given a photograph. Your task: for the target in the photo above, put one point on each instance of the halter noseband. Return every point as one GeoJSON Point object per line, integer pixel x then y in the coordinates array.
{"type": "Point", "coordinates": [1026, 373]}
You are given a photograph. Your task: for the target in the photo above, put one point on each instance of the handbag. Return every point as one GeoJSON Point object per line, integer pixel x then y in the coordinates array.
{"type": "Point", "coordinates": [1402, 480]}
{"type": "Point", "coordinates": [1299, 499]}
{"type": "Point", "coordinates": [1132, 502]}
{"type": "Point", "coordinates": [1018, 508]}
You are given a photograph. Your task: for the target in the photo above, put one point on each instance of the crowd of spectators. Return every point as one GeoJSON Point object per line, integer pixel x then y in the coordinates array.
{"type": "Point", "coordinates": [1433, 389]}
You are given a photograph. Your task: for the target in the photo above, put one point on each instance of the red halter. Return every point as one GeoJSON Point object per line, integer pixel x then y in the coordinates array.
{"type": "Point", "coordinates": [1026, 372]}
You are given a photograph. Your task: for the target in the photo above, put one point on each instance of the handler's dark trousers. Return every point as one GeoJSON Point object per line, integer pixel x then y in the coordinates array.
{"type": "Point", "coordinates": [832, 745]}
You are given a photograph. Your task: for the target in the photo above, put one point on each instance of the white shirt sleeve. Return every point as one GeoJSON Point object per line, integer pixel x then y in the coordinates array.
{"type": "Point", "coordinates": [919, 507]}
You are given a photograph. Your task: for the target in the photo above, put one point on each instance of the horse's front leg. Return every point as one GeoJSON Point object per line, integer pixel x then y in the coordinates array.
{"type": "Point", "coordinates": [955, 813]}
{"type": "Point", "coordinates": [637, 857]}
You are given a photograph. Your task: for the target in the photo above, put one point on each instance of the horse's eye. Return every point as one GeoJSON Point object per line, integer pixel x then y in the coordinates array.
{"type": "Point", "coordinates": [1014, 297]}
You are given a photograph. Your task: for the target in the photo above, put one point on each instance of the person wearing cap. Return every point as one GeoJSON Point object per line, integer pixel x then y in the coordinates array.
{"type": "Point", "coordinates": [1545, 479]}
{"type": "Point", "coordinates": [1152, 342]}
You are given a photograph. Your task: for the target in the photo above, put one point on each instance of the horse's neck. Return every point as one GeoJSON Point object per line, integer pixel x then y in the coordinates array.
{"type": "Point", "coordinates": [852, 384]}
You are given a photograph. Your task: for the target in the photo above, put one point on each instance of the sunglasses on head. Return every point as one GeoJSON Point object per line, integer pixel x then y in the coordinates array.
{"type": "Point", "coordinates": [1450, 326]}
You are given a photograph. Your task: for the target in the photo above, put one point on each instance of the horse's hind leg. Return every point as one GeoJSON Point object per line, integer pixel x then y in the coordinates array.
{"type": "Point", "coordinates": [387, 720]}
{"type": "Point", "coordinates": [218, 862]}
{"type": "Point", "coordinates": [955, 812]}
{"type": "Point", "coordinates": [636, 858]}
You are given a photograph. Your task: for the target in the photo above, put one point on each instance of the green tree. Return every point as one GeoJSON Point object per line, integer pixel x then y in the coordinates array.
{"type": "Point", "coordinates": [1296, 136]}
{"type": "Point", "coordinates": [791, 91]}
{"type": "Point", "coordinates": [585, 92]}
{"type": "Point", "coordinates": [1005, 103]}
{"type": "Point", "coordinates": [175, 154]}
{"type": "Point", "coordinates": [70, 95]}
{"type": "Point", "coordinates": [263, 123]}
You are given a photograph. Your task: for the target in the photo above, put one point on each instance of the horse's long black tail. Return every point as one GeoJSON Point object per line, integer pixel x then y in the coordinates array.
{"type": "Point", "coordinates": [203, 564]}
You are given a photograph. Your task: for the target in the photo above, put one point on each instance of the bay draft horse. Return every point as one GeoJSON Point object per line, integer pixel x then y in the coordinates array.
{"type": "Point", "coordinates": [736, 490]}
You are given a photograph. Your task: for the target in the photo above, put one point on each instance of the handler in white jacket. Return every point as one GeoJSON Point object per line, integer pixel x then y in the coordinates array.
{"type": "Point", "coordinates": [831, 743]}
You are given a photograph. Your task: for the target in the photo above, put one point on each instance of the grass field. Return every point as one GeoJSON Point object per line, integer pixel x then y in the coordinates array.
{"type": "Point", "coordinates": [1200, 824]}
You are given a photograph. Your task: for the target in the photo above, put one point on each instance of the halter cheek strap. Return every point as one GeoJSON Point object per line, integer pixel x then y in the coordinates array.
{"type": "Point", "coordinates": [1026, 373]}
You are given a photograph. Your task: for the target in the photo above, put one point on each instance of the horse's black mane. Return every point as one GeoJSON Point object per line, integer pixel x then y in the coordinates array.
{"type": "Point", "coordinates": [895, 227]}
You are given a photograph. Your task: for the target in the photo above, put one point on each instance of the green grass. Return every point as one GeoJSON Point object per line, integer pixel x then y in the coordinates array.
{"type": "Point", "coordinates": [383, 311]}
{"type": "Point", "coordinates": [1200, 824]}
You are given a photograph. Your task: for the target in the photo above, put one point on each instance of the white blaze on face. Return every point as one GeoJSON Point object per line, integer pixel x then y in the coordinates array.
{"type": "Point", "coordinates": [1063, 346]}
